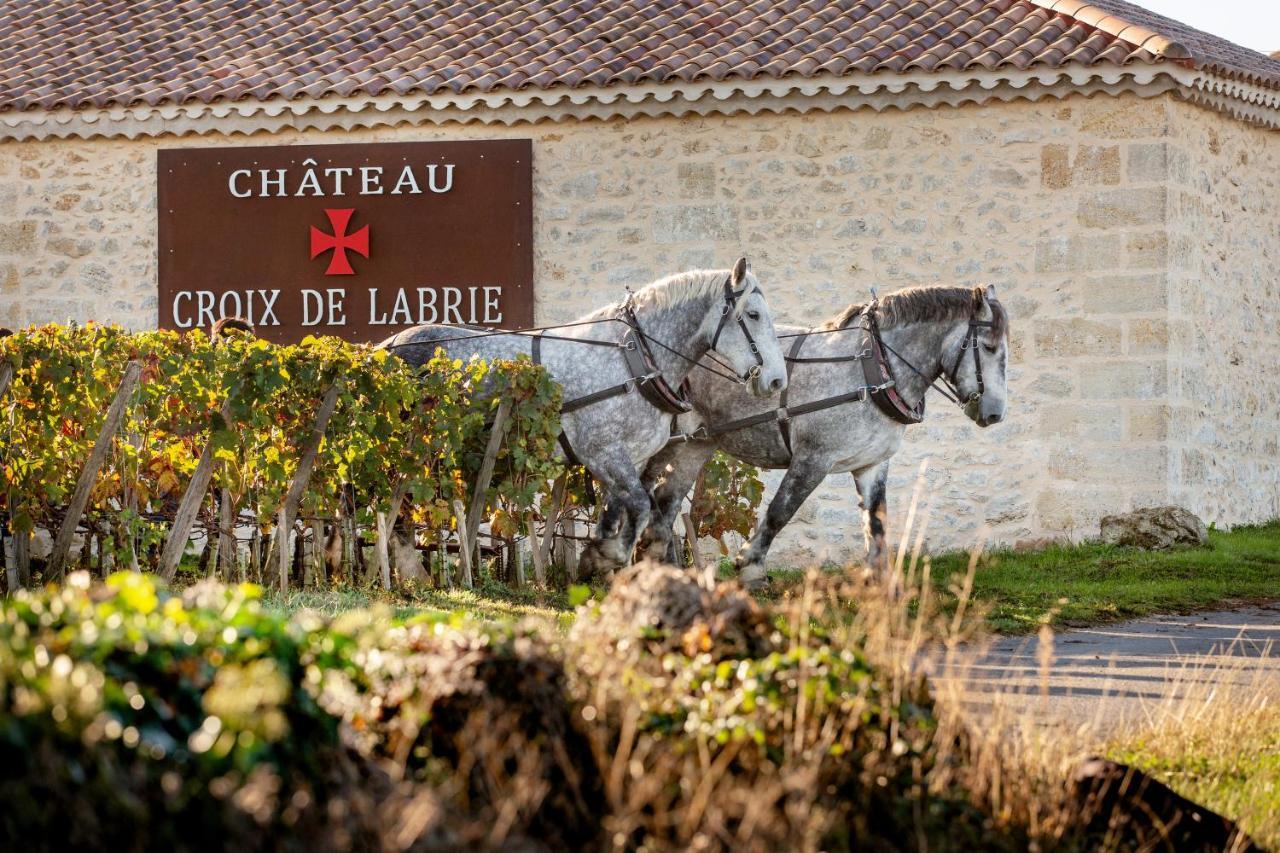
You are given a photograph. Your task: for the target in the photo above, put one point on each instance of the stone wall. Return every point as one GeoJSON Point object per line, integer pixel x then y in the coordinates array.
{"type": "Point", "coordinates": [1223, 421]}
{"type": "Point", "coordinates": [1084, 213]}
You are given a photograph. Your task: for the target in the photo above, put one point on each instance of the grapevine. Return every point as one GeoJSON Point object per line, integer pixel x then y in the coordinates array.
{"type": "Point", "coordinates": [397, 433]}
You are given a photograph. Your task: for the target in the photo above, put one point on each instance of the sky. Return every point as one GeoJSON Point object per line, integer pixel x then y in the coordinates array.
{"type": "Point", "coordinates": [1252, 23]}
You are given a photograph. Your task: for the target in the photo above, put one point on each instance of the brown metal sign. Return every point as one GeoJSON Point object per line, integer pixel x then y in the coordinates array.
{"type": "Point", "coordinates": [358, 241]}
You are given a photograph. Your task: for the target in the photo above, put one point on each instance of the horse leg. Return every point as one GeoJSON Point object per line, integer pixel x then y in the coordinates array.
{"type": "Point", "coordinates": [404, 549]}
{"type": "Point", "coordinates": [670, 475]}
{"type": "Point", "coordinates": [872, 502]}
{"type": "Point", "coordinates": [798, 483]}
{"type": "Point", "coordinates": [626, 513]}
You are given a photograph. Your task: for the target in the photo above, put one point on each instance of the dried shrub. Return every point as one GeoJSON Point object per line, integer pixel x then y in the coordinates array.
{"type": "Point", "coordinates": [725, 725]}
{"type": "Point", "coordinates": [479, 712]}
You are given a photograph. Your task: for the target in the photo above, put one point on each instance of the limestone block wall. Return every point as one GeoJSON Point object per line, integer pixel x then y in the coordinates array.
{"type": "Point", "coordinates": [1223, 422]}
{"type": "Point", "coordinates": [1067, 206]}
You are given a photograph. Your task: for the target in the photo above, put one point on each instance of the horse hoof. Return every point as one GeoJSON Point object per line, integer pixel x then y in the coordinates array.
{"type": "Point", "coordinates": [753, 577]}
{"type": "Point", "coordinates": [593, 564]}
{"type": "Point", "coordinates": [657, 550]}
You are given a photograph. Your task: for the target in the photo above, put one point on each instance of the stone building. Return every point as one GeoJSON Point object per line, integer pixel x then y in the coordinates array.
{"type": "Point", "coordinates": [1115, 173]}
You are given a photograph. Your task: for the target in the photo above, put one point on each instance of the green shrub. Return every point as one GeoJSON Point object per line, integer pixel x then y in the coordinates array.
{"type": "Point", "coordinates": [132, 717]}
{"type": "Point", "coordinates": [136, 718]}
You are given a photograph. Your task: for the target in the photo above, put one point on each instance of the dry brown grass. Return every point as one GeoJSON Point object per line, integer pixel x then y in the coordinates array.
{"type": "Point", "coordinates": [1216, 742]}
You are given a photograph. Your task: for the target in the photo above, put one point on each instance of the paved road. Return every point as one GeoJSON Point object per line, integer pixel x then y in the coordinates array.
{"type": "Point", "coordinates": [1105, 677]}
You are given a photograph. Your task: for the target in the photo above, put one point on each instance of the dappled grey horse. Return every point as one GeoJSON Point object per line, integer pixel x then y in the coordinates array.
{"type": "Point", "coordinates": [846, 409]}
{"type": "Point", "coordinates": [621, 370]}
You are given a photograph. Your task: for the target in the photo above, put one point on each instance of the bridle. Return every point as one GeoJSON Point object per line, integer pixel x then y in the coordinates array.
{"type": "Point", "coordinates": [729, 307]}
{"type": "Point", "coordinates": [731, 297]}
{"type": "Point", "coordinates": [949, 378]}
{"type": "Point", "coordinates": [972, 344]}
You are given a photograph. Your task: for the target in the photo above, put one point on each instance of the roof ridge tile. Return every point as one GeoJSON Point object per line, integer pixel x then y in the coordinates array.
{"type": "Point", "coordinates": [121, 52]}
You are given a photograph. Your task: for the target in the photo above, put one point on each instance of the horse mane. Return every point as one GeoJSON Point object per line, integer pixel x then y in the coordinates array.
{"type": "Point", "coordinates": [679, 289]}
{"type": "Point", "coordinates": [927, 304]}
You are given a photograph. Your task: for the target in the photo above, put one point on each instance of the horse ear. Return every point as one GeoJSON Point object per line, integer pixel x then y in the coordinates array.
{"type": "Point", "coordinates": [991, 291]}
{"type": "Point", "coordinates": [739, 271]}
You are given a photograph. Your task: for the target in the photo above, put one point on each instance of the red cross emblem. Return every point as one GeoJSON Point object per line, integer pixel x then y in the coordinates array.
{"type": "Point", "coordinates": [339, 241]}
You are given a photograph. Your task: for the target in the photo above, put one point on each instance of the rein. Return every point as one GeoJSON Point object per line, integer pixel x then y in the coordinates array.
{"type": "Point", "coordinates": [952, 391]}
{"type": "Point", "coordinates": [880, 387]}
{"type": "Point", "coordinates": [628, 318]}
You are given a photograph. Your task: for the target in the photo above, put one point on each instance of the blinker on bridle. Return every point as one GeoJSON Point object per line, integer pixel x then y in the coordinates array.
{"type": "Point", "coordinates": [970, 342]}
{"type": "Point", "coordinates": [730, 305]}
{"type": "Point", "coordinates": [642, 340]}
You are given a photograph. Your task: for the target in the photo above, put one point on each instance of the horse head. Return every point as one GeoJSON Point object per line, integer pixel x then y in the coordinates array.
{"type": "Point", "coordinates": [740, 331]}
{"type": "Point", "coordinates": [978, 358]}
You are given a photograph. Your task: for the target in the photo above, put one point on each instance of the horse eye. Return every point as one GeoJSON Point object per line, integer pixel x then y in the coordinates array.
{"type": "Point", "coordinates": [990, 349]}
{"type": "Point", "coordinates": [753, 315]}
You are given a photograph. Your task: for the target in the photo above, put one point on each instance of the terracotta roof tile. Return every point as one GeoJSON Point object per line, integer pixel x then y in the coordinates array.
{"type": "Point", "coordinates": [81, 53]}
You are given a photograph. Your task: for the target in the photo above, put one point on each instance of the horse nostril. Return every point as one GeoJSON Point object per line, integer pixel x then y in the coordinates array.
{"type": "Point", "coordinates": [991, 419]}
{"type": "Point", "coordinates": [775, 384]}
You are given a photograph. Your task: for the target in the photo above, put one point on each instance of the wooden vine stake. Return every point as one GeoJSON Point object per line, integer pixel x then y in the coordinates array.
{"type": "Point", "coordinates": [382, 547]}
{"type": "Point", "coordinates": [319, 569]}
{"type": "Point", "coordinates": [691, 537]}
{"type": "Point", "coordinates": [386, 527]}
{"type": "Point", "coordinates": [535, 552]}
{"type": "Point", "coordinates": [20, 571]}
{"type": "Point", "coordinates": [306, 463]}
{"type": "Point", "coordinates": [226, 537]}
{"type": "Point", "coordinates": [89, 474]}
{"type": "Point", "coordinates": [464, 545]}
{"type": "Point", "coordinates": [12, 571]}
{"type": "Point", "coordinates": [542, 554]}
{"type": "Point", "coordinates": [189, 506]}
{"type": "Point", "coordinates": [485, 476]}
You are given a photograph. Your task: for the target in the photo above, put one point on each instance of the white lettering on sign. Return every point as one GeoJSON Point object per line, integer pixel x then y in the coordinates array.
{"type": "Point", "coordinates": [204, 308]}
{"type": "Point", "coordinates": [491, 295]}
{"type": "Point", "coordinates": [370, 180]}
{"type": "Point", "coordinates": [315, 182]}
{"type": "Point", "coordinates": [312, 307]}
{"type": "Point", "coordinates": [452, 299]}
{"type": "Point", "coordinates": [268, 182]}
{"type": "Point", "coordinates": [424, 304]}
{"type": "Point", "coordinates": [407, 179]}
{"type": "Point", "coordinates": [481, 302]}
{"type": "Point", "coordinates": [268, 309]}
{"type": "Point", "coordinates": [402, 307]}
{"type": "Point", "coordinates": [209, 307]}
{"type": "Point", "coordinates": [337, 317]}
{"type": "Point", "coordinates": [179, 319]}
{"type": "Point", "coordinates": [231, 183]}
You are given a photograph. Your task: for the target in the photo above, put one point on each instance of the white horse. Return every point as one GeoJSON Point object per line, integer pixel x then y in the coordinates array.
{"type": "Point", "coordinates": [846, 409]}
{"type": "Point", "coordinates": [620, 368]}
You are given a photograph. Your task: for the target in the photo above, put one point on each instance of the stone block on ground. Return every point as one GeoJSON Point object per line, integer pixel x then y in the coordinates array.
{"type": "Point", "coordinates": [1154, 528]}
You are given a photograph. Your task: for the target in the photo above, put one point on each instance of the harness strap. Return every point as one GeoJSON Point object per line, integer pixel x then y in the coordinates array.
{"type": "Point", "coordinates": [569, 455]}
{"type": "Point", "coordinates": [535, 354]}
{"type": "Point", "coordinates": [878, 374]}
{"type": "Point", "coordinates": [784, 424]}
{"type": "Point", "coordinates": [596, 396]}
{"type": "Point", "coordinates": [781, 415]}
{"type": "Point", "coordinates": [649, 379]}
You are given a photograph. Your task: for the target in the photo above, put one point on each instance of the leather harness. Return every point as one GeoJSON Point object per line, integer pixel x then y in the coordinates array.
{"type": "Point", "coordinates": [646, 377]}
{"type": "Point", "coordinates": [881, 386]}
